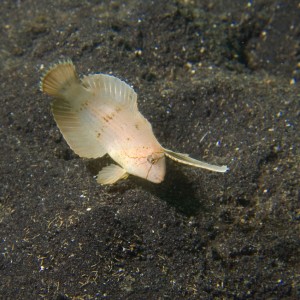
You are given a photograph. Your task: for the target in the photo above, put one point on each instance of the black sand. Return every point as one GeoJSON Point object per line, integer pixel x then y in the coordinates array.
{"type": "Point", "coordinates": [221, 68]}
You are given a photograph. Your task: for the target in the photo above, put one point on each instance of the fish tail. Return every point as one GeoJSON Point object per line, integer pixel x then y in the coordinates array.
{"type": "Point", "coordinates": [60, 79]}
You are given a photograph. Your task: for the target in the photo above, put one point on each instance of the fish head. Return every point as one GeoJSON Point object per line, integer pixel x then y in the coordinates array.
{"type": "Point", "coordinates": [156, 165]}
{"type": "Point", "coordinates": [151, 166]}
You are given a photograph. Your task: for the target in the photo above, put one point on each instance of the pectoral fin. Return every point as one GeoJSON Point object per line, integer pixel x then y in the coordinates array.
{"type": "Point", "coordinates": [111, 174]}
{"type": "Point", "coordinates": [185, 159]}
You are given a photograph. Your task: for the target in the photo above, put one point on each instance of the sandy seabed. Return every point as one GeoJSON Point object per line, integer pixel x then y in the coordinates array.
{"type": "Point", "coordinates": [228, 71]}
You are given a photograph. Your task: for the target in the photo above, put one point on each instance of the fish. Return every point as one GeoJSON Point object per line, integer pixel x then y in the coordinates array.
{"type": "Point", "coordinates": [98, 114]}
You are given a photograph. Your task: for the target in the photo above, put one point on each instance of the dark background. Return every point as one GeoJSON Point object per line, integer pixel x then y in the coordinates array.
{"type": "Point", "coordinates": [228, 69]}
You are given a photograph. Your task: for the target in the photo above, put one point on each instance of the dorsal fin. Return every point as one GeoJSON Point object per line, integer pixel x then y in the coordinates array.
{"type": "Point", "coordinates": [111, 88]}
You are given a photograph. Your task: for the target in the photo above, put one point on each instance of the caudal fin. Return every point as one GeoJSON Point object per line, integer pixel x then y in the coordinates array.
{"type": "Point", "coordinates": [59, 79]}
{"type": "Point", "coordinates": [74, 120]}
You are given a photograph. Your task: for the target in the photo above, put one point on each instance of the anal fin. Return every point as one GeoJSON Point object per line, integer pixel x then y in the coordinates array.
{"type": "Point", "coordinates": [111, 174]}
{"type": "Point", "coordinates": [78, 129]}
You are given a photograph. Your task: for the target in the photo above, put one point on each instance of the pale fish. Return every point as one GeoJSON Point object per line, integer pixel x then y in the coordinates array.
{"type": "Point", "coordinates": [98, 115]}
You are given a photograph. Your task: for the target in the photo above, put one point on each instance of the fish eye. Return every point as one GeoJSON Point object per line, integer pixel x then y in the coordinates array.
{"type": "Point", "coordinates": [152, 160]}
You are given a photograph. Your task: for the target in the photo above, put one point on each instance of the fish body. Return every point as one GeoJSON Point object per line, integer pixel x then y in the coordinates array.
{"type": "Point", "coordinates": [126, 135]}
{"type": "Point", "coordinates": [98, 115]}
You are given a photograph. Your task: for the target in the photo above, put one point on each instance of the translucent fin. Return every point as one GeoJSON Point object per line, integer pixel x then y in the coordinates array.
{"type": "Point", "coordinates": [60, 78]}
{"type": "Point", "coordinates": [185, 159]}
{"type": "Point", "coordinates": [76, 131]}
{"type": "Point", "coordinates": [110, 88]}
{"type": "Point", "coordinates": [81, 133]}
{"type": "Point", "coordinates": [111, 174]}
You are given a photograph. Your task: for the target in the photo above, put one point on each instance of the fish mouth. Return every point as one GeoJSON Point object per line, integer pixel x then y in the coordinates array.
{"type": "Point", "coordinates": [157, 179]}
{"type": "Point", "coordinates": [157, 169]}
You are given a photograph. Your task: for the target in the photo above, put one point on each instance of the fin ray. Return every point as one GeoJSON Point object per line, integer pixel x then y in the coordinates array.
{"type": "Point", "coordinates": [78, 134]}
{"type": "Point", "coordinates": [58, 78]}
{"type": "Point", "coordinates": [79, 129]}
{"type": "Point", "coordinates": [112, 89]}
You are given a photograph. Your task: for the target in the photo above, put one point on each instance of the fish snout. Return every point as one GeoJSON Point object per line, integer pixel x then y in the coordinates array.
{"type": "Point", "coordinates": [157, 171]}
